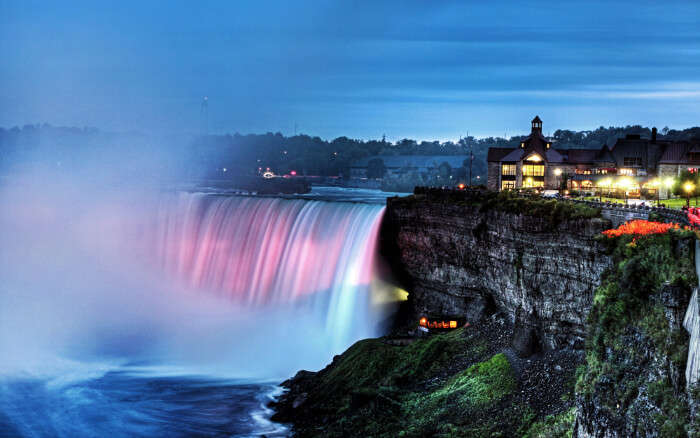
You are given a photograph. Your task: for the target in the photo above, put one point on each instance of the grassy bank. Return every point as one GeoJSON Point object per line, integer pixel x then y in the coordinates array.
{"type": "Point", "coordinates": [551, 210]}
{"type": "Point", "coordinates": [457, 384]}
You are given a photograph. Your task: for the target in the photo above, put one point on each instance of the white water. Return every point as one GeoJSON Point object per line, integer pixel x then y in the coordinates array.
{"type": "Point", "coordinates": [243, 287]}
{"type": "Point", "coordinates": [107, 296]}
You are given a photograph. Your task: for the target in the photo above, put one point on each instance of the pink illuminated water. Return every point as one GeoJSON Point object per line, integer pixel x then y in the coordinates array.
{"type": "Point", "coordinates": [271, 252]}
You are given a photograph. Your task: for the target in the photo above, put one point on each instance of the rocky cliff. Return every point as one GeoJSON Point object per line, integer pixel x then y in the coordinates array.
{"type": "Point", "coordinates": [597, 323]}
{"type": "Point", "coordinates": [463, 258]}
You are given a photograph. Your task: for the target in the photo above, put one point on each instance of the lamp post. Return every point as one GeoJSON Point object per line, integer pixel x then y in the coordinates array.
{"type": "Point", "coordinates": [656, 184]}
{"type": "Point", "coordinates": [688, 187]}
{"type": "Point", "coordinates": [625, 184]}
{"type": "Point", "coordinates": [606, 183]}
{"type": "Point", "coordinates": [668, 182]}
{"type": "Point", "coordinates": [557, 173]}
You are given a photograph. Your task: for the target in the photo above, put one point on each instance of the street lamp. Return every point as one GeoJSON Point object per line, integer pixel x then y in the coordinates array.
{"type": "Point", "coordinates": [668, 182]}
{"type": "Point", "coordinates": [688, 187]}
{"type": "Point", "coordinates": [606, 183]}
{"type": "Point", "coordinates": [557, 173]}
{"type": "Point", "coordinates": [656, 184]}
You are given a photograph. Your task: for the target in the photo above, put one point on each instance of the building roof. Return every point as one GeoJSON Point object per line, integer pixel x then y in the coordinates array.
{"type": "Point", "coordinates": [651, 151]}
{"type": "Point", "coordinates": [581, 156]}
{"type": "Point", "coordinates": [497, 154]}
{"type": "Point", "coordinates": [604, 155]}
{"type": "Point", "coordinates": [674, 153]}
{"type": "Point", "coordinates": [415, 161]}
{"type": "Point", "coordinates": [515, 154]}
{"type": "Point", "coordinates": [554, 156]}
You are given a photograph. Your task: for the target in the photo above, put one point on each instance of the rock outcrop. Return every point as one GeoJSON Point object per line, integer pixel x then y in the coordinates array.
{"type": "Point", "coordinates": [460, 259]}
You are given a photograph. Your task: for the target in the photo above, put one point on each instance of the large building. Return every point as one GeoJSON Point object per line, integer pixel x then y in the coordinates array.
{"type": "Point", "coordinates": [536, 163]}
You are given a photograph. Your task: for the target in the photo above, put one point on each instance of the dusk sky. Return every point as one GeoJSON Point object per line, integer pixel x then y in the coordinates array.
{"type": "Point", "coordinates": [426, 70]}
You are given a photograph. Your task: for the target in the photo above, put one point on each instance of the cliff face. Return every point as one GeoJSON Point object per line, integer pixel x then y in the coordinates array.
{"type": "Point", "coordinates": [606, 313]}
{"type": "Point", "coordinates": [460, 260]}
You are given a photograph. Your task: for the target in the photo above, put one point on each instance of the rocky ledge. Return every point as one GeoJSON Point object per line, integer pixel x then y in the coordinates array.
{"type": "Point", "coordinates": [534, 261]}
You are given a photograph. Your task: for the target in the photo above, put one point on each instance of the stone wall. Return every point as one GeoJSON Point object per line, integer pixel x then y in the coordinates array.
{"type": "Point", "coordinates": [457, 260]}
{"type": "Point", "coordinates": [494, 176]}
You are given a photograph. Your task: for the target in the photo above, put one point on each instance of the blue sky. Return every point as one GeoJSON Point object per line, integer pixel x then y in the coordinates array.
{"type": "Point", "coordinates": [423, 69]}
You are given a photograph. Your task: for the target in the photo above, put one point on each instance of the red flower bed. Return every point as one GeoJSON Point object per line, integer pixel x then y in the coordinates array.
{"type": "Point", "coordinates": [640, 228]}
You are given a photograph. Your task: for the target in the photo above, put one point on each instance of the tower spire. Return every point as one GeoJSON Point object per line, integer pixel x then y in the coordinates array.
{"type": "Point", "coordinates": [537, 124]}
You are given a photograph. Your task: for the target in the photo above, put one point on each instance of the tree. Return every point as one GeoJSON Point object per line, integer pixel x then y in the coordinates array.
{"type": "Point", "coordinates": [686, 180]}
{"type": "Point", "coordinates": [376, 168]}
{"type": "Point", "coordinates": [444, 170]}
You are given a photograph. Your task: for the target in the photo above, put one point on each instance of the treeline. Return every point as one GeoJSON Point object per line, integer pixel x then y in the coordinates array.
{"type": "Point", "coordinates": [308, 155]}
{"type": "Point", "coordinates": [250, 154]}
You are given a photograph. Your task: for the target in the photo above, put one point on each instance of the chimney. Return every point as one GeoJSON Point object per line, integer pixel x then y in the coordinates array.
{"type": "Point", "coordinates": [653, 134]}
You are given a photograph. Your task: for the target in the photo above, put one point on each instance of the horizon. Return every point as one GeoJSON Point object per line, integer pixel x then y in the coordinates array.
{"type": "Point", "coordinates": [330, 139]}
{"type": "Point", "coordinates": [408, 70]}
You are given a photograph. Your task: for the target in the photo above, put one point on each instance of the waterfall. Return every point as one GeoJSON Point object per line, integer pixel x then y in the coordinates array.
{"type": "Point", "coordinates": [691, 322]}
{"type": "Point", "coordinates": [269, 253]}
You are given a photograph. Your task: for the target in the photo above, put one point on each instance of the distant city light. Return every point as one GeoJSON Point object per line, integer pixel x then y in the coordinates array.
{"type": "Point", "coordinates": [225, 169]}
{"type": "Point", "coordinates": [268, 175]}
{"type": "Point", "coordinates": [293, 172]}
{"type": "Point", "coordinates": [461, 186]}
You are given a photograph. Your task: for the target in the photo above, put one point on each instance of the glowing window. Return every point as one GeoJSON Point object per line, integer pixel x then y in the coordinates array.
{"type": "Point", "coordinates": [507, 185]}
{"type": "Point", "coordinates": [508, 170]}
{"type": "Point", "coordinates": [533, 170]}
{"type": "Point", "coordinates": [529, 182]}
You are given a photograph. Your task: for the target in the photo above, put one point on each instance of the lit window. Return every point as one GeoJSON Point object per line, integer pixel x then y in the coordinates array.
{"type": "Point", "coordinates": [508, 170]}
{"type": "Point", "coordinates": [507, 185]}
{"type": "Point", "coordinates": [529, 182]}
{"type": "Point", "coordinates": [534, 157]}
{"type": "Point", "coordinates": [533, 170]}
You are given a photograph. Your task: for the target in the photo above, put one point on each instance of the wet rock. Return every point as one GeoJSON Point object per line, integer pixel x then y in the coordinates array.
{"type": "Point", "coordinates": [459, 260]}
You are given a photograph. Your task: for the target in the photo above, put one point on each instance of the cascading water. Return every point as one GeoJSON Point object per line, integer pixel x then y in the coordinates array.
{"type": "Point", "coordinates": [270, 252]}
{"type": "Point", "coordinates": [120, 310]}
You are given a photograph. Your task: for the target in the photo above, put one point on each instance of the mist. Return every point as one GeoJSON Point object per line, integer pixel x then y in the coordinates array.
{"type": "Point", "coordinates": [81, 291]}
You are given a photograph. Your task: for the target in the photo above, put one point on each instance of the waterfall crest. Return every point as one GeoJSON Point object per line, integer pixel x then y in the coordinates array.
{"type": "Point", "coordinates": [272, 252]}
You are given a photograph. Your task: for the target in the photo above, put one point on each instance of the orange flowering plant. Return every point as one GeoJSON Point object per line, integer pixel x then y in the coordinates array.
{"type": "Point", "coordinates": [641, 227]}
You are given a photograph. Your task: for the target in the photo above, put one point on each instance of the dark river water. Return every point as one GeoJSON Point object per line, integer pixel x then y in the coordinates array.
{"type": "Point", "coordinates": [127, 404]}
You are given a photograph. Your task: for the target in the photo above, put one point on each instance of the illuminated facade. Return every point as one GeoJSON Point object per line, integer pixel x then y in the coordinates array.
{"type": "Point", "coordinates": [633, 161]}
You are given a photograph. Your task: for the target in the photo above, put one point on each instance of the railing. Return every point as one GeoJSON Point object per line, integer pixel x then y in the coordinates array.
{"type": "Point", "coordinates": [637, 211]}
